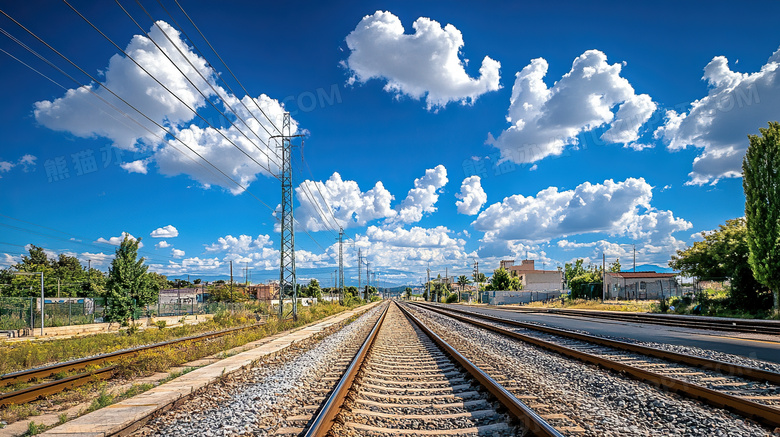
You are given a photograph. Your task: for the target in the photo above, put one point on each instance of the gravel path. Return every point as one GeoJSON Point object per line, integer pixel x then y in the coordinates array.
{"type": "Point", "coordinates": [238, 404]}
{"type": "Point", "coordinates": [601, 402]}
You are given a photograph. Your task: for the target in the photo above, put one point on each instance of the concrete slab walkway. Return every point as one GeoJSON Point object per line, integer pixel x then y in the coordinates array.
{"type": "Point", "coordinates": [127, 416]}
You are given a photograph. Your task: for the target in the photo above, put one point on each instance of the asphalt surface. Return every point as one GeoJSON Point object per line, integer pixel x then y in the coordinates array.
{"type": "Point", "coordinates": [721, 341]}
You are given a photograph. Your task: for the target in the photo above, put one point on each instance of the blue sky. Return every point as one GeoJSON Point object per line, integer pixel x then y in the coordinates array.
{"type": "Point", "coordinates": [564, 130]}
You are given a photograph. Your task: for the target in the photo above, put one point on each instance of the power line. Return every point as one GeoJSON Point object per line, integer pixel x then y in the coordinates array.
{"type": "Point", "coordinates": [224, 100]}
{"type": "Point", "coordinates": [327, 206]}
{"type": "Point", "coordinates": [167, 89]}
{"type": "Point", "coordinates": [226, 66]}
{"type": "Point", "coordinates": [89, 88]}
{"type": "Point", "coordinates": [217, 75]}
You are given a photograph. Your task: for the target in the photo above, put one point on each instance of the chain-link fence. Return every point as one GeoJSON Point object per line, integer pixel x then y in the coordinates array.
{"type": "Point", "coordinates": [20, 313]}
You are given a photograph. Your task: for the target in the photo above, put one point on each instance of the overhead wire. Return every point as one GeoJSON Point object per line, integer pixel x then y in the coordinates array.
{"type": "Point", "coordinates": [100, 84]}
{"type": "Point", "coordinates": [219, 76]}
{"type": "Point", "coordinates": [224, 100]}
{"type": "Point", "coordinates": [225, 64]}
{"type": "Point", "coordinates": [97, 82]}
{"type": "Point", "coordinates": [194, 111]}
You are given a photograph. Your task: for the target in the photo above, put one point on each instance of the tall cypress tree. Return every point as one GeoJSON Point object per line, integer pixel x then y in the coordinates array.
{"type": "Point", "coordinates": [761, 181]}
{"type": "Point", "coordinates": [128, 284]}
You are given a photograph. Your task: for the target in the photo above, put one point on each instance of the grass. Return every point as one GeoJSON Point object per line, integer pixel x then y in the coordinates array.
{"type": "Point", "coordinates": [104, 399]}
{"type": "Point", "coordinates": [607, 305]}
{"type": "Point", "coordinates": [13, 412]}
{"type": "Point", "coordinates": [34, 428]}
{"type": "Point", "coordinates": [25, 355]}
{"type": "Point", "coordinates": [715, 303]}
{"type": "Point", "coordinates": [159, 360]}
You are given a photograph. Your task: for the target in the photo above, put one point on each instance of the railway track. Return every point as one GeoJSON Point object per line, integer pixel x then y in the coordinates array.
{"type": "Point", "coordinates": [406, 380]}
{"type": "Point", "coordinates": [767, 327]}
{"type": "Point", "coordinates": [99, 372]}
{"type": "Point", "coordinates": [750, 392]}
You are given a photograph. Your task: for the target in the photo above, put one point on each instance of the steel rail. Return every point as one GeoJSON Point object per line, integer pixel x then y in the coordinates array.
{"type": "Point", "coordinates": [32, 393]}
{"type": "Point", "coordinates": [81, 363]}
{"type": "Point", "coordinates": [534, 423]}
{"type": "Point", "coordinates": [322, 423]}
{"type": "Point", "coordinates": [734, 325]}
{"type": "Point", "coordinates": [725, 368]}
{"type": "Point", "coordinates": [764, 414]}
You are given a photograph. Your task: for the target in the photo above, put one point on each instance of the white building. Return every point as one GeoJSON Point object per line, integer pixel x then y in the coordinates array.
{"type": "Point", "coordinates": [532, 279]}
{"type": "Point", "coordinates": [640, 285]}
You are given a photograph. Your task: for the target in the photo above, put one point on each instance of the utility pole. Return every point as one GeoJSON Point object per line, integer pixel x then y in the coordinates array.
{"type": "Point", "coordinates": [89, 274]}
{"type": "Point", "coordinates": [429, 280]}
{"type": "Point", "coordinates": [476, 279]}
{"type": "Point", "coordinates": [634, 245]}
{"type": "Point", "coordinates": [360, 262]}
{"type": "Point", "coordinates": [231, 281]}
{"type": "Point", "coordinates": [287, 280]}
{"type": "Point", "coordinates": [341, 259]}
{"type": "Point", "coordinates": [368, 281]}
{"type": "Point", "coordinates": [603, 275]}
{"type": "Point", "coordinates": [335, 280]}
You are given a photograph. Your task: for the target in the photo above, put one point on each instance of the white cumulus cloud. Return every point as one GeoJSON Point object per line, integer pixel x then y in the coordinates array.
{"type": "Point", "coordinates": [116, 241]}
{"type": "Point", "coordinates": [422, 198]}
{"type": "Point", "coordinates": [176, 253]}
{"type": "Point", "coordinates": [426, 63]}
{"type": "Point", "coordinates": [240, 149]}
{"type": "Point", "coordinates": [471, 196]}
{"type": "Point", "coordinates": [737, 104]}
{"type": "Point", "coordinates": [239, 245]}
{"type": "Point", "coordinates": [168, 231]}
{"type": "Point", "coordinates": [137, 166]}
{"type": "Point", "coordinates": [162, 245]}
{"type": "Point", "coordinates": [411, 249]}
{"type": "Point", "coordinates": [545, 120]}
{"type": "Point", "coordinates": [27, 162]}
{"type": "Point", "coordinates": [616, 208]}
{"type": "Point", "coordinates": [96, 259]}
{"type": "Point", "coordinates": [349, 205]}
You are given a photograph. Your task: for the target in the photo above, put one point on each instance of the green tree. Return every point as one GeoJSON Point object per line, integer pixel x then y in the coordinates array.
{"type": "Point", "coordinates": [502, 280]}
{"type": "Point", "coordinates": [578, 277]}
{"type": "Point", "coordinates": [70, 273]}
{"type": "Point", "coordinates": [128, 283]}
{"type": "Point", "coordinates": [314, 289]}
{"type": "Point", "coordinates": [30, 286]}
{"type": "Point", "coordinates": [425, 294]}
{"type": "Point", "coordinates": [761, 183]}
{"type": "Point", "coordinates": [724, 253]}
{"type": "Point", "coordinates": [438, 289]}
{"type": "Point", "coordinates": [159, 281]}
{"type": "Point", "coordinates": [408, 293]}
{"type": "Point", "coordinates": [615, 267]}
{"type": "Point", "coordinates": [571, 271]}
{"type": "Point", "coordinates": [463, 281]}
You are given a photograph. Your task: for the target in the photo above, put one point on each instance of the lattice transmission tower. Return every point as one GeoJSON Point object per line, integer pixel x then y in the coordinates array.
{"type": "Point", "coordinates": [287, 280]}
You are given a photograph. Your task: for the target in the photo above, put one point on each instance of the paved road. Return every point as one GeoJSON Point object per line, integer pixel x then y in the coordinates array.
{"type": "Point", "coordinates": [717, 341]}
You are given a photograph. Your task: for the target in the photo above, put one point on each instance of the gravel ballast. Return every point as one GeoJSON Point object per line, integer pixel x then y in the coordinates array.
{"type": "Point", "coordinates": [237, 405]}
{"type": "Point", "coordinates": [601, 402]}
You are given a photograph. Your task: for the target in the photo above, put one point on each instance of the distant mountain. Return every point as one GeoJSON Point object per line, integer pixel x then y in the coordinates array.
{"type": "Point", "coordinates": [647, 268]}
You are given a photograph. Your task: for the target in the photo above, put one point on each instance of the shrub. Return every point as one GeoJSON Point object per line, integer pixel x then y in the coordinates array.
{"type": "Point", "coordinates": [34, 428]}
